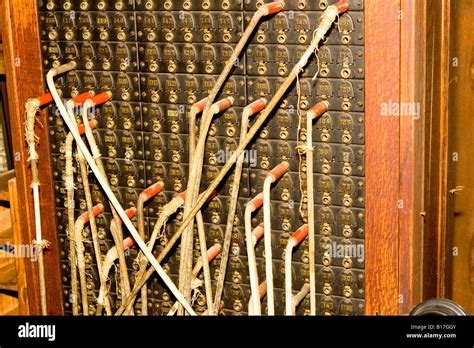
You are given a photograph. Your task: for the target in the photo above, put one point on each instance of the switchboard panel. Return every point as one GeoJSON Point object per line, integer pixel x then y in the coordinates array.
{"type": "Point", "coordinates": [158, 58]}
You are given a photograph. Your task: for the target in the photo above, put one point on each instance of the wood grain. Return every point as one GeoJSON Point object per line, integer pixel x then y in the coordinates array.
{"type": "Point", "coordinates": [21, 278]}
{"type": "Point", "coordinates": [461, 109]}
{"type": "Point", "coordinates": [25, 80]}
{"type": "Point", "coordinates": [436, 194]}
{"type": "Point", "coordinates": [382, 59]}
{"type": "Point", "coordinates": [412, 154]}
{"type": "Point", "coordinates": [8, 304]}
{"type": "Point", "coordinates": [8, 273]}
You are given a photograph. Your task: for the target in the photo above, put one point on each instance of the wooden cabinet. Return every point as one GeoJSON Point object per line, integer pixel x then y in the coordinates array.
{"type": "Point", "coordinates": [407, 67]}
{"type": "Point", "coordinates": [460, 220]}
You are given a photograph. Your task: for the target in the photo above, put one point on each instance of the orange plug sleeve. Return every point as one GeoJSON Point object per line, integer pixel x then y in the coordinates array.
{"type": "Point", "coordinates": [256, 202]}
{"type": "Point", "coordinates": [273, 7]}
{"type": "Point", "coordinates": [96, 210]}
{"type": "Point", "coordinates": [256, 106]}
{"type": "Point", "coordinates": [153, 190]}
{"type": "Point", "coordinates": [300, 234]}
{"type": "Point", "coordinates": [280, 170]}
{"type": "Point", "coordinates": [45, 99]}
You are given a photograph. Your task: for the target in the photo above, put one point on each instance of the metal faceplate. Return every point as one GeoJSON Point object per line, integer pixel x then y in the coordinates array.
{"type": "Point", "coordinates": [160, 57]}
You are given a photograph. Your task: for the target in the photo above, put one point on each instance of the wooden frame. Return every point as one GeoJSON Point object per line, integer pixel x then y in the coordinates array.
{"type": "Point", "coordinates": [25, 80]}
{"type": "Point", "coordinates": [438, 200]}
{"type": "Point", "coordinates": [412, 153]}
{"type": "Point", "coordinates": [394, 64]}
{"type": "Point", "coordinates": [458, 250]}
{"type": "Point", "coordinates": [382, 26]}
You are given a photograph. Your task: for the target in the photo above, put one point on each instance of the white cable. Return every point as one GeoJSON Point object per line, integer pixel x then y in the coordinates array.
{"type": "Point", "coordinates": [295, 239]}
{"type": "Point", "coordinates": [311, 221]}
{"type": "Point", "coordinates": [262, 290]}
{"type": "Point", "coordinates": [110, 195]}
{"type": "Point", "coordinates": [31, 108]}
{"type": "Point", "coordinates": [252, 262]}
{"type": "Point", "coordinates": [272, 176]}
{"type": "Point", "coordinates": [288, 285]}
{"type": "Point", "coordinates": [267, 239]}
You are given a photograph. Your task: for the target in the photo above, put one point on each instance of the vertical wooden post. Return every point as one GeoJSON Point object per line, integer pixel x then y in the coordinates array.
{"type": "Point", "coordinates": [396, 64]}
{"type": "Point", "coordinates": [382, 89]}
{"type": "Point", "coordinates": [24, 73]}
{"type": "Point", "coordinates": [412, 154]}
{"type": "Point", "coordinates": [438, 199]}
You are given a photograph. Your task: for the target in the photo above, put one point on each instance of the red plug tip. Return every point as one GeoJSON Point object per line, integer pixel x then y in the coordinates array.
{"type": "Point", "coordinates": [82, 129]}
{"type": "Point", "coordinates": [45, 99]}
{"type": "Point", "coordinates": [222, 105]}
{"type": "Point", "coordinates": [342, 6]}
{"type": "Point", "coordinates": [300, 234]}
{"type": "Point", "coordinates": [130, 212]}
{"type": "Point", "coordinates": [273, 7]}
{"type": "Point", "coordinates": [256, 202]}
{"type": "Point", "coordinates": [96, 210]}
{"type": "Point", "coordinates": [280, 170]}
{"type": "Point", "coordinates": [213, 251]}
{"type": "Point", "coordinates": [128, 242]}
{"type": "Point", "coordinates": [101, 98]}
{"type": "Point", "coordinates": [153, 190]}
{"type": "Point", "coordinates": [317, 110]}
{"type": "Point", "coordinates": [199, 106]}
{"type": "Point", "coordinates": [255, 107]}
